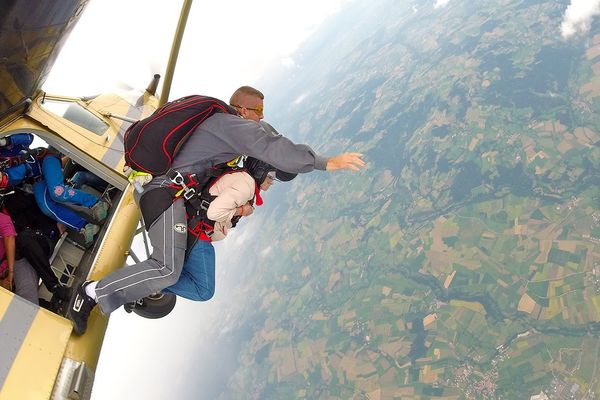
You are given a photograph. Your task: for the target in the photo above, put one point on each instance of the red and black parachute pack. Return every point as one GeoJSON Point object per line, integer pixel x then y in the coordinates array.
{"type": "Point", "coordinates": [152, 143]}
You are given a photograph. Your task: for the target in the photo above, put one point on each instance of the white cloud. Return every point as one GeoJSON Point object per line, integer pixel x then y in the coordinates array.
{"type": "Point", "coordinates": [237, 237]}
{"type": "Point", "coordinates": [266, 251]}
{"type": "Point", "coordinates": [578, 17]}
{"type": "Point", "coordinates": [440, 3]}
{"type": "Point", "coordinates": [288, 62]}
{"type": "Point", "coordinates": [300, 98]}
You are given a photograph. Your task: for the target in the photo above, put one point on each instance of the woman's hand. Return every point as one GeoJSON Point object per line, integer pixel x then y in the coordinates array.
{"type": "Point", "coordinates": [244, 210]}
{"type": "Point", "coordinates": [9, 279]}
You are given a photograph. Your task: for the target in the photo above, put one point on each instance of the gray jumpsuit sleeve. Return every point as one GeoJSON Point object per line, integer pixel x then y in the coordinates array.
{"type": "Point", "coordinates": [247, 137]}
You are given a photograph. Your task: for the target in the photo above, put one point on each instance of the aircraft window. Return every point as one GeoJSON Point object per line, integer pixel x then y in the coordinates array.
{"type": "Point", "coordinates": [77, 114]}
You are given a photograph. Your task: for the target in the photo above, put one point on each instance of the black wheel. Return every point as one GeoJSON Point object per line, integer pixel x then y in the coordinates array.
{"type": "Point", "coordinates": [154, 306]}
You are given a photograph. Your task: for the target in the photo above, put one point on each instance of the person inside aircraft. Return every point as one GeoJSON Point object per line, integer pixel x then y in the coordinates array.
{"type": "Point", "coordinates": [37, 235]}
{"type": "Point", "coordinates": [236, 193]}
{"type": "Point", "coordinates": [16, 274]}
{"type": "Point", "coordinates": [44, 167]}
{"type": "Point", "coordinates": [218, 139]}
{"type": "Point", "coordinates": [26, 281]}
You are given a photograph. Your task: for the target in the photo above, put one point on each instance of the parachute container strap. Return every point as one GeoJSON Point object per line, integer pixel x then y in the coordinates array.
{"type": "Point", "coordinates": [200, 226]}
{"type": "Point", "coordinates": [186, 183]}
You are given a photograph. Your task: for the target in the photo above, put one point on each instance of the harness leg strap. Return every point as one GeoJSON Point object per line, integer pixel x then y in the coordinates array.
{"type": "Point", "coordinates": [154, 203]}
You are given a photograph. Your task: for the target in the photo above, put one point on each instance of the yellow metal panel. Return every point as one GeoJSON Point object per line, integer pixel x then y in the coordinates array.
{"type": "Point", "coordinates": [88, 142]}
{"type": "Point", "coordinates": [5, 298]}
{"type": "Point", "coordinates": [110, 256]}
{"type": "Point", "coordinates": [86, 348]}
{"type": "Point", "coordinates": [33, 373]}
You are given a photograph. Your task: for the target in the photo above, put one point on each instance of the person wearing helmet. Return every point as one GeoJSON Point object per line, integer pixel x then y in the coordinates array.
{"type": "Point", "coordinates": [236, 193]}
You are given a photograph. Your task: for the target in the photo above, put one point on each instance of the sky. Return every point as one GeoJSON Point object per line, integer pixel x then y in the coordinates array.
{"type": "Point", "coordinates": [122, 44]}
{"type": "Point", "coordinates": [226, 45]}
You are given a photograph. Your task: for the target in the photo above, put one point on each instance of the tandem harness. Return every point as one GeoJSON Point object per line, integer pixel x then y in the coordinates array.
{"type": "Point", "coordinates": [30, 156]}
{"type": "Point", "coordinates": [194, 192]}
{"type": "Point", "coordinates": [197, 200]}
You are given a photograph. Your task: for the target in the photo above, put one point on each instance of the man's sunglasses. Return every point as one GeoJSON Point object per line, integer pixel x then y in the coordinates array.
{"type": "Point", "coordinates": [258, 110]}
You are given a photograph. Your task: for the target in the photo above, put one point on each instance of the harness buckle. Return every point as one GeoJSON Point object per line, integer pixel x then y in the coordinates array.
{"type": "Point", "coordinates": [188, 192]}
{"type": "Point", "coordinates": [204, 204]}
{"type": "Point", "coordinates": [178, 179]}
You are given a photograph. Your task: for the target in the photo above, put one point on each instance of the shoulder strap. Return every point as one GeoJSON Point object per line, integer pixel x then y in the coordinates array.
{"type": "Point", "coordinates": [152, 143]}
{"type": "Point", "coordinates": [197, 206]}
{"type": "Point", "coordinates": [30, 156]}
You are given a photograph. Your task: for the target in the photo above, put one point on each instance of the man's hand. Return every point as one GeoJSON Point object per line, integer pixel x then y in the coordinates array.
{"type": "Point", "coordinates": [351, 161]}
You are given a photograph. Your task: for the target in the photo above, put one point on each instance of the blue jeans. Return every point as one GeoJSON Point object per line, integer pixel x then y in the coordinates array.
{"type": "Point", "coordinates": [81, 178]}
{"type": "Point", "coordinates": [197, 279]}
{"type": "Point", "coordinates": [51, 191]}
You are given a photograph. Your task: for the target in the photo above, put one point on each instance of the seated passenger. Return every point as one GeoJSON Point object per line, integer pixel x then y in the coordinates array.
{"type": "Point", "coordinates": [17, 276]}
{"type": "Point", "coordinates": [25, 281]}
{"type": "Point", "coordinates": [36, 239]}
{"type": "Point", "coordinates": [45, 169]}
{"type": "Point", "coordinates": [235, 194]}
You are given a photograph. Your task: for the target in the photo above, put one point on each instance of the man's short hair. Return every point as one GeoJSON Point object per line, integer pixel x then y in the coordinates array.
{"type": "Point", "coordinates": [245, 91]}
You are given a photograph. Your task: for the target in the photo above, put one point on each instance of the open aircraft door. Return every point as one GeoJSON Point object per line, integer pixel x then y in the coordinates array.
{"type": "Point", "coordinates": [40, 357]}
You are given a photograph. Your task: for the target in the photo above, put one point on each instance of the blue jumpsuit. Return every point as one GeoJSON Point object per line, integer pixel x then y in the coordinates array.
{"type": "Point", "coordinates": [49, 189]}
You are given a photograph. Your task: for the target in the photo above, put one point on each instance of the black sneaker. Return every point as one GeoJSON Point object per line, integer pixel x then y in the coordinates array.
{"type": "Point", "coordinates": [60, 292]}
{"type": "Point", "coordinates": [81, 309]}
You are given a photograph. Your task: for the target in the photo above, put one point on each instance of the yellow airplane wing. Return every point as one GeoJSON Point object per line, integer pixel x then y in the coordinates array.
{"type": "Point", "coordinates": [32, 35]}
{"type": "Point", "coordinates": [33, 343]}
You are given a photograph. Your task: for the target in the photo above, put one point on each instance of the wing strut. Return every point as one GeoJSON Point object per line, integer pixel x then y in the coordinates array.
{"type": "Point", "coordinates": [185, 10]}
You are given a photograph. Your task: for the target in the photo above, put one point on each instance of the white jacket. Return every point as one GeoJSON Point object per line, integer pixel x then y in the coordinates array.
{"type": "Point", "coordinates": [233, 190]}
